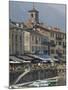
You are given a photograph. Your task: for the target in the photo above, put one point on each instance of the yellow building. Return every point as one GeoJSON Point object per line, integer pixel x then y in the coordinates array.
{"type": "Point", "coordinates": [57, 39]}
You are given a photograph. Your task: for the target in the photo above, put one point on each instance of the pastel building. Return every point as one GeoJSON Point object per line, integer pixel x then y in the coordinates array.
{"type": "Point", "coordinates": [34, 37]}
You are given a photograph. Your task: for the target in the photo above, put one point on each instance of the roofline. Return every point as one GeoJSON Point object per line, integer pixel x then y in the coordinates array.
{"type": "Point", "coordinates": [50, 29]}
{"type": "Point", "coordinates": [57, 31]}
{"type": "Point", "coordinates": [43, 28]}
{"type": "Point", "coordinates": [27, 30]}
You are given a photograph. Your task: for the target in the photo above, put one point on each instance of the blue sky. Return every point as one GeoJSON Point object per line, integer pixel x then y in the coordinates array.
{"type": "Point", "coordinates": [49, 14]}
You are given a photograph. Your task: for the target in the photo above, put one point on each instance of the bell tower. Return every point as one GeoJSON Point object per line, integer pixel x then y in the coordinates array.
{"type": "Point", "coordinates": [34, 15]}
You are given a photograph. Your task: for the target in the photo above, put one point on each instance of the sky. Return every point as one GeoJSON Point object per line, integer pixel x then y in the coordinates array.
{"type": "Point", "coordinates": [49, 14]}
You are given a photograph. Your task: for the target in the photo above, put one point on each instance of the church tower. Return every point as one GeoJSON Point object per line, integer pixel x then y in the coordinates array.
{"type": "Point", "coordinates": [34, 15]}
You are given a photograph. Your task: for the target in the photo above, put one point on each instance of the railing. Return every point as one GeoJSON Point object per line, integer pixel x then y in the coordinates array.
{"type": "Point", "coordinates": [52, 44]}
{"type": "Point", "coordinates": [59, 38]}
{"type": "Point", "coordinates": [64, 46]}
{"type": "Point", "coordinates": [45, 43]}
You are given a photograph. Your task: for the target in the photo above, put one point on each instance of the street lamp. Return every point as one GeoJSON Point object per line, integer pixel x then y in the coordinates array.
{"type": "Point", "coordinates": [39, 64]}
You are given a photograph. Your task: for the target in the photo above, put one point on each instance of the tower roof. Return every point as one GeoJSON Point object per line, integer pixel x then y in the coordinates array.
{"type": "Point", "coordinates": [33, 10]}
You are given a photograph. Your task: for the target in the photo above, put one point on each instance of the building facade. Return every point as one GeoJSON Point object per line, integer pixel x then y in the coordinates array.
{"type": "Point", "coordinates": [33, 37]}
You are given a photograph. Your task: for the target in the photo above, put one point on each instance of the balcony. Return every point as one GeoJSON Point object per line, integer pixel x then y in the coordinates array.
{"type": "Point", "coordinates": [44, 43]}
{"type": "Point", "coordinates": [52, 43]}
{"type": "Point", "coordinates": [64, 46]}
{"type": "Point", "coordinates": [59, 38]}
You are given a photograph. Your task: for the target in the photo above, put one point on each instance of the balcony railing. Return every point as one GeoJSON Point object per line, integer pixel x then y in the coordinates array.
{"type": "Point", "coordinates": [59, 38]}
{"type": "Point", "coordinates": [64, 46]}
{"type": "Point", "coordinates": [45, 43]}
{"type": "Point", "coordinates": [52, 43]}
